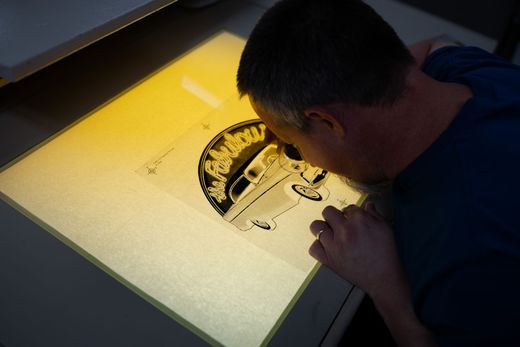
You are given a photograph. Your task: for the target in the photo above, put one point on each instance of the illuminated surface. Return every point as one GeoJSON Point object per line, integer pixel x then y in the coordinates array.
{"type": "Point", "coordinates": [157, 233]}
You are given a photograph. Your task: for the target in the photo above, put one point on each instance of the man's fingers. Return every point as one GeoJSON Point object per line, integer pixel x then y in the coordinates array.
{"type": "Point", "coordinates": [369, 208]}
{"type": "Point", "coordinates": [333, 216]}
{"type": "Point", "coordinates": [318, 252]}
{"type": "Point", "coordinates": [326, 235]}
{"type": "Point", "coordinates": [316, 226]}
{"type": "Point", "coordinates": [349, 211]}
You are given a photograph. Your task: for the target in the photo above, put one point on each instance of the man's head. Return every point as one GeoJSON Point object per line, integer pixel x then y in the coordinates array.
{"type": "Point", "coordinates": [309, 63]}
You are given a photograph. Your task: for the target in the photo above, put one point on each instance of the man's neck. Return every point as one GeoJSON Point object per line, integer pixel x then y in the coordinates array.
{"type": "Point", "coordinates": [419, 119]}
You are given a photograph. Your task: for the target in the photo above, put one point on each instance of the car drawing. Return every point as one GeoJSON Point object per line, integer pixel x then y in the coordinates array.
{"type": "Point", "coordinates": [272, 183]}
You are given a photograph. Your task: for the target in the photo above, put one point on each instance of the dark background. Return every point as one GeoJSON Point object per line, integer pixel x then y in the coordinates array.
{"type": "Point", "coordinates": [484, 16]}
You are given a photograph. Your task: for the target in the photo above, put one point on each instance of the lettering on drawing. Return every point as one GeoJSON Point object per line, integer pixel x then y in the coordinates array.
{"type": "Point", "coordinates": [250, 183]}
{"type": "Point", "coordinates": [224, 156]}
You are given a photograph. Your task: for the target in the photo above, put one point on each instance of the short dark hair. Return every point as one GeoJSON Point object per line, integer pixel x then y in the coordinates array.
{"type": "Point", "coordinates": [316, 52]}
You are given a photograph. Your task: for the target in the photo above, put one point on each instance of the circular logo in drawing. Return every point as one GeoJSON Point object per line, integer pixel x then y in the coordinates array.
{"type": "Point", "coordinates": [224, 159]}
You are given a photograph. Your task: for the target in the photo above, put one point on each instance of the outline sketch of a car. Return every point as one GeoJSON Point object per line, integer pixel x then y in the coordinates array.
{"type": "Point", "coordinates": [271, 184]}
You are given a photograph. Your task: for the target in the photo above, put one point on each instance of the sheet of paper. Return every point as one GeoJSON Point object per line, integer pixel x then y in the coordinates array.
{"type": "Point", "coordinates": [128, 187]}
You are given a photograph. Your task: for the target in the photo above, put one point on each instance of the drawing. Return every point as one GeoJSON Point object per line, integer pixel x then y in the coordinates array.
{"type": "Point", "coordinates": [250, 183]}
{"type": "Point", "coordinates": [342, 202]}
{"type": "Point", "coordinates": [228, 178]}
{"type": "Point", "coordinates": [151, 168]}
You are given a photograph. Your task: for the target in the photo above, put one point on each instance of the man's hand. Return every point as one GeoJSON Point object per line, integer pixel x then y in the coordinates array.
{"type": "Point", "coordinates": [359, 246]}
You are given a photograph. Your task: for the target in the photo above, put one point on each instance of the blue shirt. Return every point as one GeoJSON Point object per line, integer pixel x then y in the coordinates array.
{"type": "Point", "coordinates": [457, 208]}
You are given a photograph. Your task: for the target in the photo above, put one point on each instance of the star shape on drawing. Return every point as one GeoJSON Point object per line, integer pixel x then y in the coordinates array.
{"type": "Point", "coordinates": [152, 170]}
{"type": "Point", "coordinates": [343, 202]}
{"type": "Point", "coordinates": [205, 126]}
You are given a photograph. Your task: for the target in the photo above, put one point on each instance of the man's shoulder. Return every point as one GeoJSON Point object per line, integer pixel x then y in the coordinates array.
{"type": "Point", "coordinates": [456, 63]}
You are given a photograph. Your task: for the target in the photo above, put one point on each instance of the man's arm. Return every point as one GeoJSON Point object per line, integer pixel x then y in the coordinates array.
{"type": "Point", "coordinates": [395, 306]}
{"type": "Point", "coordinates": [359, 246]}
{"type": "Point", "coordinates": [421, 50]}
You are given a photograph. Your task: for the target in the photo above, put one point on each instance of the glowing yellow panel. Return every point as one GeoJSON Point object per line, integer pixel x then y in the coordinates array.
{"type": "Point", "coordinates": [170, 189]}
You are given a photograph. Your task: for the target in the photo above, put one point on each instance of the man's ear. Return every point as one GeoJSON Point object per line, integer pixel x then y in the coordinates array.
{"type": "Point", "coordinates": [325, 116]}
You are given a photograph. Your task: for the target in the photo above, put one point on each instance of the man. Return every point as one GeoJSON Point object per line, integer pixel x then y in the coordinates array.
{"type": "Point", "coordinates": [442, 123]}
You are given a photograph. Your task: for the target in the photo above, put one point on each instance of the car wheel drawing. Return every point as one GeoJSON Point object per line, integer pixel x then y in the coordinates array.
{"type": "Point", "coordinates": [307, 192]}
{"type": "Point", "coordinates": [261, 224]}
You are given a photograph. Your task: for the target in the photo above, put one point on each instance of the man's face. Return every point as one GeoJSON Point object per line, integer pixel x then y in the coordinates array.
{"type": "Point", "coordinates": [322, 146]}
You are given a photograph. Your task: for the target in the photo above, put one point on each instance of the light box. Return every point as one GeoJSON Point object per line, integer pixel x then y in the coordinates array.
{"type": "Point", "coordinates": [170, 189]}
